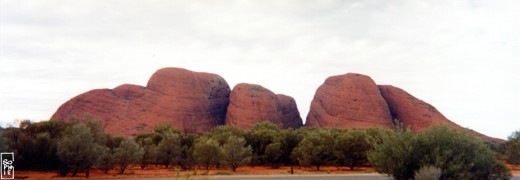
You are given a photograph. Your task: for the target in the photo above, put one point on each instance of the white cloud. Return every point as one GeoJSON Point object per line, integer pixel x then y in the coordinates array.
{"type": "Point", "coordinates": [461, 56]}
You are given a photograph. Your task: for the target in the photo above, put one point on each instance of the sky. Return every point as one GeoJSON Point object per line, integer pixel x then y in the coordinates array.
{"type": "Point", "coordinates": [461, 56]}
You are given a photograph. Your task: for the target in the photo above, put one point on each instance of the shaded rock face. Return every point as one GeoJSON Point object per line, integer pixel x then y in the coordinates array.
{"type": "Point", "coordinates": [416, 114]}
{"type": "Point", "coordinates": [290, 114]}
{"type": "Point", "coordinates": [349, 101]}
{"type": "Point", "coordinates": [250, 104]}
{"type": "Point", "coordinates": [190, 101]}
{"type": "Point", "coordinates": [411, 112]}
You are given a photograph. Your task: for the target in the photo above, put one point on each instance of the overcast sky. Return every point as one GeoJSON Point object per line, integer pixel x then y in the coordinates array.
{"type": "Point", "coordinates": [463, 57]}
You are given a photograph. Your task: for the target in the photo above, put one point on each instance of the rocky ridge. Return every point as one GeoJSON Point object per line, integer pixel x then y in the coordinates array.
{"type": "Point", "coordinates": [355, 101]}
{"type": "Point", "coordinates": [196, 102]}
{"type": "Point", "coordinates": [187, 100]}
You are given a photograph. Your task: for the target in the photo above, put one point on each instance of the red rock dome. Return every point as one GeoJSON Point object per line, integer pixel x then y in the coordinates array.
{"type": "Point", "coordinates": [190, 101]}
{"type": "Point", "coordinates": [251, 103]}
{"type": "Point", "coordinates": [349, 101]}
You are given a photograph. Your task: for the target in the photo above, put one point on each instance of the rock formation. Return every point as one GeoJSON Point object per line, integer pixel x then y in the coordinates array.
{"type": "Point", "coordinates": [190, 101]}
{"type": "Point", "coordinates": [355, 101]}
{"type": "Point", "coordinates": [290, 114]}
{"type": "Point", "coordinates": [196, 102]}
{"type": "Point", "coordinates": [250, 104]}
{"type": "Point", "coordinates": [411, 112]}
{"type": "Point", "coordinates": [349, 101]}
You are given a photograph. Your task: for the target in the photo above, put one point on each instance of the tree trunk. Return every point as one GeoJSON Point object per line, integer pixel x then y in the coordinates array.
{"type": "Point", "coordinates": [88, 172]}
{"type": "Point", "coordinates": [292, 171]}
{"type": "Point", "coordinates": [75, 172]}
{"type": "Point", "coordinates": [234, 168]}
{"type": "Point", "coordinates": [318, 167]}
{"type": "Point", "coordinates": [122, 170]}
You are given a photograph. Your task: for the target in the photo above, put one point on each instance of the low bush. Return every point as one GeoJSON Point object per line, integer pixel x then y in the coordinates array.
{"type": "Point", "coordinates": [428, 173]}
{"type": "Point", "coordinates": [457, 154]}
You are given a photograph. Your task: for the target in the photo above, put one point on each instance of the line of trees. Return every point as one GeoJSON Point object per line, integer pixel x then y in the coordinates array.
{"type": "Point", "coordinates": [454, 154]}
{"type": "Point", "coordinates": [80, 144]}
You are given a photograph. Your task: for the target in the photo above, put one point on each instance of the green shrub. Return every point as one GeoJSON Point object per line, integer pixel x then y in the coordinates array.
{"type": "Point", "coordinates": [351, 147]}
{"type": "Point", "coordinates": [315, 149]}
{"type": "Point", "coordinates": [428, 173]}
{"type": "Point", "coordinates": [396, 155]}
{"type": "Point", "coordinates": [458, 155]}
{"type": "Point", "coordinates": [235, 153]}
{"type": "Point", "coordinates": [512, 149]}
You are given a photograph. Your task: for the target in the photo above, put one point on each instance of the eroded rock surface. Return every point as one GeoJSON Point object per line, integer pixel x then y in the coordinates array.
{"type": "Point", "coordinates": [190, 101]}
{"type": "Point", "coordinates": [251, 103]}
{"type": "Point", "coordinates": [196, 102]}
{"type": "Point", "coordinates": [349, 101]}
{"type": "Point", "coordinates": [416, 114]}
{"type": "Point", "coordinates": [410, 111]}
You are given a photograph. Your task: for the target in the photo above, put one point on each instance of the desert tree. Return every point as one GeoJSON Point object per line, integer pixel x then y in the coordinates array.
{"type": "Point", "coordinates": [291, 139]}
{"type": "Point", "coordinates": [395, 155]}
{"type": "Point", "coordinates": [106, 160]}
{"type": "Point", "coordinates": [458, 155]}
{"type": "Point", "coordinates": [166, 130]}
{"type": "Point", "coordinates": [35, 144]}
{"type": "Point", "coordinates": [77, 149]}
{"type": "Point", "coordinates": [222, 133]}
{"type": "Point", "coordinates": [512, 149]}
{"type": "Point", "coordinates": [4, 147]}
{"type": "Point", "coordinates": [111, 142]}
{"type": "Point", "coordinates": [273, 154]}
{"type": "Point", "coordinates": [279, 151]}
{"type": "Point", "coordinates": [351, 147]}
{"type": "Point", "coordinates": [259, 137]}
{"type": "Point", "coordinates": [235, 152]}
{"type": "Point", "coordinates": [126, 154]}
{"type": "Point", "coordinates": [146, 142]}
{"type": "Point", "coordinates": [206, 152]}
{"type": "Point", "coordinates": [186, 160]}
{"type": "Point", "coordinates": [169, 150]}
{"type": "Point", "coordinates": [295, 156]}
{"type": "Point", "coordinates": [316, 148]}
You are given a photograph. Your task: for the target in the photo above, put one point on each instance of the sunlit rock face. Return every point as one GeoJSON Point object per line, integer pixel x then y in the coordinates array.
{"type": "Point", "coordinates": [251, 104]}
{"type": "Point", "coordinates": [190, 101]}
{"type": "Point", "coordinates": [355, 101]}
{"type": "Point", "coordinates": [349, 101]}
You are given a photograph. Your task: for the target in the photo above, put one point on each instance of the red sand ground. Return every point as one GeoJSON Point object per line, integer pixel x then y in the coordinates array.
{"type": "Point", "coordinates": [152, 171]}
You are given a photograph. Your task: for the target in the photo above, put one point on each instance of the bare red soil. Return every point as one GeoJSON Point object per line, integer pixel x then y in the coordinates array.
{"type": "Point", "coordinates": [152, 171]}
